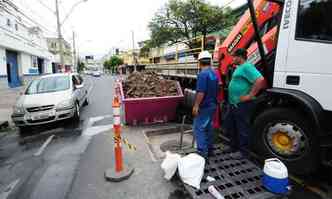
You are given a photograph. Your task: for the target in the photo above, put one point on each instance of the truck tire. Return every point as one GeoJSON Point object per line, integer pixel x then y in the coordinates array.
{"type": "Point", "coordinates": [286, 134]}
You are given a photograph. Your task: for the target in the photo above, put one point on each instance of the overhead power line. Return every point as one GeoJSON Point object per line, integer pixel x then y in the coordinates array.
{"type": "Point", "coordinates": [227, 4]}
{"type": "Point", "coordinates": [31, 19]}
{"type": "Point", "coordinates": [45, 6]}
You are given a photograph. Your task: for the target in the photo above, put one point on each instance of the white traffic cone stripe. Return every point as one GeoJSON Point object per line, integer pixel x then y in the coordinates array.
{"type": "Point", "coordinates": [116, 111]}
{"type": "Point", "coordinates": [117, 120]}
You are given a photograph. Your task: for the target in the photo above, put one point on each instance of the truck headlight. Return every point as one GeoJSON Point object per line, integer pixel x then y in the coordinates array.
{"type": "Point", "coordinates": [18, 110]}
{"type": "Point", "coordinates": [65, 105]}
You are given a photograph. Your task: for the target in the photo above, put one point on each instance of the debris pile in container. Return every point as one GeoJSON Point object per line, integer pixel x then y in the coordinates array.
{"type": "Point", "coordinates": [148, 84]}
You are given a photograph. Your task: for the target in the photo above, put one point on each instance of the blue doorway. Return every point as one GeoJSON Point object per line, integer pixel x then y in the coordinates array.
{"type": "Point", "coordinates": [40, 63]}
{"type": "Point", "coordinates": [12, 69]}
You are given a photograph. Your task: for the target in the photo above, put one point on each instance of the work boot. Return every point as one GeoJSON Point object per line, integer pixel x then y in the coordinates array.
{"type": "Point", "coordinates": [240, 155]}
{"type": "Point", "coordinates": [211, 153]}
{"type": "Point", "coordinates": [204, 155]}
{"type": "Point", "coordinates": [229, 150]}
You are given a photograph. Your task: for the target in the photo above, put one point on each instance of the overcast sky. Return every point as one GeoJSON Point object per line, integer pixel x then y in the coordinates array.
{"type": "Point", "coordinates": [100, 24]}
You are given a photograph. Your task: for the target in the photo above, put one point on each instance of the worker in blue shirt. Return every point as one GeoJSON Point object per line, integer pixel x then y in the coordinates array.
{"type": "Point", "coordinates": [205, 105]}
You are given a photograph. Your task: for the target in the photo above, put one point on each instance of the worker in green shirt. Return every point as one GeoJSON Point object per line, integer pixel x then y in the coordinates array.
{"type": "Point", "coordinates": [246, 82]}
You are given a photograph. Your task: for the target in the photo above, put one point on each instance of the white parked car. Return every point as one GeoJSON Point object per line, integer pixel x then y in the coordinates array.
{"type": "Point", "coordinates": [88, 72]}
{"type": "Point", "coordinates": [50, 98]}
{"type": "Point", "coordinates": [96, 73]}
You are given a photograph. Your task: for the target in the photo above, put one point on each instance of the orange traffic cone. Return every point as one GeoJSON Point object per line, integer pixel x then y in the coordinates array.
{"type": "Point", "coordinates": [121, 171]}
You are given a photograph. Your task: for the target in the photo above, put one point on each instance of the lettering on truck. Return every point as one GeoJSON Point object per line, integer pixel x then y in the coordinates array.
{"type": "Point", "coordinates": [234, 43]}
{"type": "Point", "coordinates": [287, 14]}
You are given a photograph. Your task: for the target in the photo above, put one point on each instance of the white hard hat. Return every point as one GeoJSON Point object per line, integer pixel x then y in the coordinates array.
{"type": "Point", "coordinates": [204, 55]}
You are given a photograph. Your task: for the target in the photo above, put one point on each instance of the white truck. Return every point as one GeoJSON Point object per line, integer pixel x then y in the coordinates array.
{"type": "Point", "coordinates": [290, 41]}
{"type": "Point", "coordinates": [293, 117]}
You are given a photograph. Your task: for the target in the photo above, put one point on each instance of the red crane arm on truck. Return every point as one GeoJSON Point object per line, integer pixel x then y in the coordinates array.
{"type": "Point", "coordinates": [269, 42]}
{"type": "Point", "coordinates": [243, 33]}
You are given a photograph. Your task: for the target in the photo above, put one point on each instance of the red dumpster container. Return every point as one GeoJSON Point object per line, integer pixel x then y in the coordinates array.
{"type": "Point", "coordinates": [151, 109]}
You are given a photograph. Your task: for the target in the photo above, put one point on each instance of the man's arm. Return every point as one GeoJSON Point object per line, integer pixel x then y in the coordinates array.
{"type": "Point", "coordinates": [257, 86]}
{"type": "Point", "coordinates": [198, 101]}
{"type": "Point", "coordinates": [200, 92]}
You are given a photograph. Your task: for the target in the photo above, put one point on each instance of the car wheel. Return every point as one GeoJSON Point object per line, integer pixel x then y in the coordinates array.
{"type": "Point", "coordinates": [77, 112]}
{"type": "Point", "coordinates": [287, 135]}
{"type": "Point", "coordinates": [86, 102]}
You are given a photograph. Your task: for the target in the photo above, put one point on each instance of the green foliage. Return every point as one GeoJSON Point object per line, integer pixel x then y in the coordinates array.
{"type": "Point", "coordinates": [80, 66]}
{"type": "Point", "coordinates": [107, 65]}
{"type": "Point", "coordinates": [144, 51]}
{"type": "Point", "coordinates": [113, 63]}
{"type": "Point", "coordinates": [187, 19]}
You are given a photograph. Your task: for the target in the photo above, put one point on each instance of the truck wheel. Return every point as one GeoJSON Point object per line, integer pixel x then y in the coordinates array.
{"type": "Point", "coordinates": [287, 135]}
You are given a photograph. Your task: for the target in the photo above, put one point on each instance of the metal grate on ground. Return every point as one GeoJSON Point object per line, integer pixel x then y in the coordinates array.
{"type": "Point", "coordinates": [235, 179]}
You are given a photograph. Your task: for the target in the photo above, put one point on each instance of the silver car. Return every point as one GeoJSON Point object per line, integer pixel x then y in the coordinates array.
{"type": "Point", "coordinates": [50, 98]}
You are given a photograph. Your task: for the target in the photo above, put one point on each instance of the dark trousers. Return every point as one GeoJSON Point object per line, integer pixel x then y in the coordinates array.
{"type": "Point", "coordinates": [237, 125]}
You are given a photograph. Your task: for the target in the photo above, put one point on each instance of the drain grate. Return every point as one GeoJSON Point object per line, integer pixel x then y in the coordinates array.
{"type": "Point", "coordinates": [174, 146]}
{"type": "Point", "coordinates": [235, 179]}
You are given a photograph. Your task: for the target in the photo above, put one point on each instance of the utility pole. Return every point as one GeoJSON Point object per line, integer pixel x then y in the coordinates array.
{"type": "Point", "coordinates": [59, 32]}
{"type": "Point", "coordinates": [134, 56]}
{"type": "Point", "coordinates": [74, 54]}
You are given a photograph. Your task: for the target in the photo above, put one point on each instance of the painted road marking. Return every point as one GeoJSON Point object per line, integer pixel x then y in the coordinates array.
{"type": "Point", "coordinates": [9, 189]}
{"type": "Point", "coordinates": [91, 87]}
{"type": "Point", "coordinates": [94, 130]}
{"type": "Point", "coordinates": [42, 148]}
{"type": "Point", "coordinates": [97, 129]}
{"type": "Point", "coordinates": [93, 120]}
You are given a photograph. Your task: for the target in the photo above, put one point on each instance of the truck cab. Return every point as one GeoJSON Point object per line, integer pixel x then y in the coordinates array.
{"type": "Point", "coordinates": [291, 119]}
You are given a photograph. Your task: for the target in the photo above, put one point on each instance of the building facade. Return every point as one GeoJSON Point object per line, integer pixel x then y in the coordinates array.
{"type": "Point", "coordinates": [54, 47]}
{"type": "Point", "coordinates": [23, 48]}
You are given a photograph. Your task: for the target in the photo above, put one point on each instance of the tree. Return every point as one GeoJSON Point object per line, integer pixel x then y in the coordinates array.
{"type": "Point", "coordinates": [144, 51]}
{"type": "Point", "coordinates": [113, 63]}
{"type": "Point", "coordinates": [184, 20]}
{"type": "Point", "coordinates": [80, 66]}
{"type": "Point", "coordinates": [107, 65]}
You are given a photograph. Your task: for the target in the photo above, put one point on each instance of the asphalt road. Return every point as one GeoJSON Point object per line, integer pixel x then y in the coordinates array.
{"type": "Point", "coordinates": [24, 175]}
{"type": "Point", "coordinates": [73, 164]}
{"type": "Point", "coordinates": [63, 158]}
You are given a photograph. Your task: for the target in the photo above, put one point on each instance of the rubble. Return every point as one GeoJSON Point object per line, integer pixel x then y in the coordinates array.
{"type": "Point", "coordinates": [148, 84]}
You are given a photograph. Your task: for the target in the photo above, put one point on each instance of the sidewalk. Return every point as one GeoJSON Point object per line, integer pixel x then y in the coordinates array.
{"type": "Point", "coordinates": [147, 181]}
{"type": "Point", "coordinates": [7, 100]}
